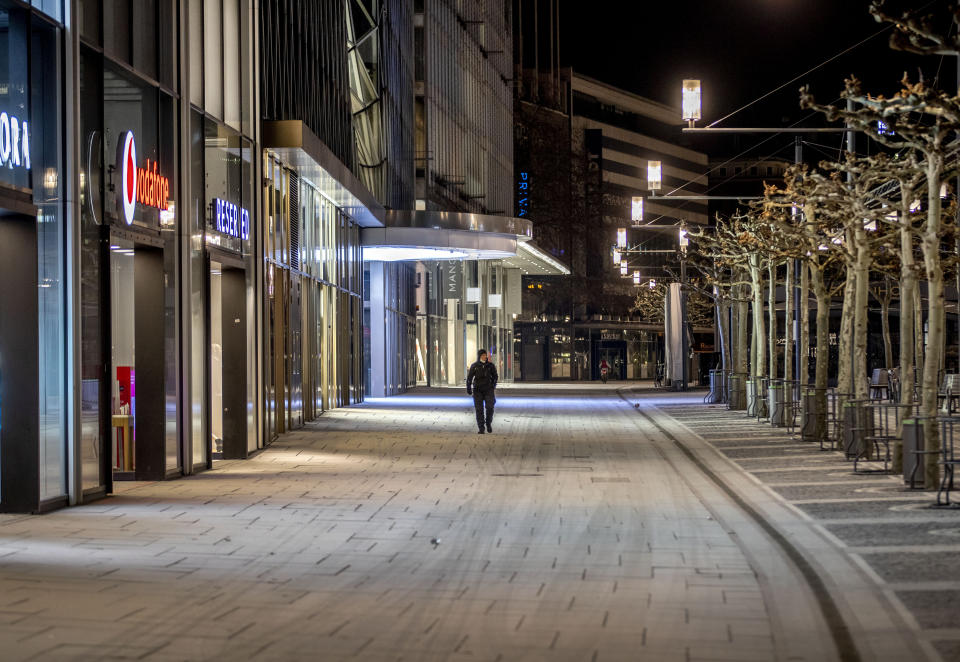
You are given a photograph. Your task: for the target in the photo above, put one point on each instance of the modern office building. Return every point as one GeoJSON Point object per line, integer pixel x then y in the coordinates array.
{"type": "Point", "coordinates": [184, 185]}
{"type": "Point", "coordinates": [584, 147]}
{"type": "Point", "coordinates": [465, 241]}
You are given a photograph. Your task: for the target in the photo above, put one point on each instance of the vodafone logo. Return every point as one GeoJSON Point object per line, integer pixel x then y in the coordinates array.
{"type": "Point", "coordinates": [144, 185]}
{"type": "Point", "coordinates": [128, 175]}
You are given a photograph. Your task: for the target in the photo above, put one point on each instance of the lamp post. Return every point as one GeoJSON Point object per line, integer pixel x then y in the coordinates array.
{"type": "Point", "coordinates": [684, 242]}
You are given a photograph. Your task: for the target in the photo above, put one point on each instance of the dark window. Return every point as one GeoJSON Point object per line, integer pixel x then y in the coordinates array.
{"type": "Point", "coordinates": [116, 29]}
{"type": "Point", "coordinates": [89, 20]}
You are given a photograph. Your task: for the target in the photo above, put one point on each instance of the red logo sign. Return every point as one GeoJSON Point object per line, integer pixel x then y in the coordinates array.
{"type": "Point", "coordinates": [144, 185]}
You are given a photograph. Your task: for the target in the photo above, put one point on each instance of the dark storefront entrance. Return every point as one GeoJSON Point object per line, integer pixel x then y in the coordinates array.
{"type": "Point", "coordinates": [18, 363]}
{"type": "Point", "coordinates": [228, 350]}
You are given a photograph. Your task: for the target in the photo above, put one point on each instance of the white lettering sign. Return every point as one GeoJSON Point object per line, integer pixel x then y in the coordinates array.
{"type": "Point", "coordinates": [231, 220]}
{"type": "Point", "coordinates": [14, 142]}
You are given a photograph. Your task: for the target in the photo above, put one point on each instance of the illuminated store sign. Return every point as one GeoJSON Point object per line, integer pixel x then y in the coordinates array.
{"type": "Point", "coordinates": [144, 185]}
{"type": "Point", "coordinates": [231, 220]}
{"type": "Point", "coordinates": [14, 142]}
{"type": "Point", "coordinates": [523, 195]}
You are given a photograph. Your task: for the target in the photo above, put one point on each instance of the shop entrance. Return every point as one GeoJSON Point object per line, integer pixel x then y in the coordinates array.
{"type": "Point", "coordinates": [228, 359]}
{"type": "Point", "coordinates": [615, 354]}
{"type": "Point", "coordinates": [137, 399]}
{"type": "Point", "coordinates": [19, 356]}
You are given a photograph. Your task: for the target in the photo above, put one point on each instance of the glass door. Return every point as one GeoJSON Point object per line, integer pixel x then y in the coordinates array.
{"type": "Point", "coordinates": [216, 361]}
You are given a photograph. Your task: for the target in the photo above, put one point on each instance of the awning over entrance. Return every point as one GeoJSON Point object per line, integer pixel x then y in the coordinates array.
{"type": "Point", "coordinates": [396, 244]}
{"type": "Point", "coordinates": [299, 147]}
{"type": "Point", "coordinates": [532, 261]}
{"type": "Point", "coordinates": [435, 235]}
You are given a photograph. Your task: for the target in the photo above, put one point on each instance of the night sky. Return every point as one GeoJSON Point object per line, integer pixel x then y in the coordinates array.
{"type": "Point", "coordinates": [740, 49]}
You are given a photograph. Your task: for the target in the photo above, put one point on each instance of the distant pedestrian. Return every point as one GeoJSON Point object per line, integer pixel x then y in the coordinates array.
{"type": "Point", "coordinates": [481, 384]}
{"type": "Point", "coordinates": [604, 370]}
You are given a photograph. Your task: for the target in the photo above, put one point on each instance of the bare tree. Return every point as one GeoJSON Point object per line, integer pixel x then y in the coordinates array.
{"type": "Point", "coordinates": [926, 120]}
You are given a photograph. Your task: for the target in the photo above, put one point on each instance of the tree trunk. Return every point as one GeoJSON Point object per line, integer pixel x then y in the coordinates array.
{"type": "Point", "coordinates": [803, 356]}
{"type": "Point", "coordinates": [821, 372]}
{"type": "Point", "coordinates": [930, 245]}
{"type": "Point", "coordinates": [885, 325]}
{"type": "Point", "coordinates": [861, 309]}
{"type": "Point", "coordinates": [772, 317]}
{"type": "Point", "coordinates": [918, 360]}
{"type": "Point", "coordinates": [844, 373]}
{"type": "Point", "coordinates": [908, 287]}
{"type": "Point", "coordinates": [743, 313]}
{"type": "Point", "coordinates": [788, 323]}
{"type": "Point", "coordinates": [759, 327]}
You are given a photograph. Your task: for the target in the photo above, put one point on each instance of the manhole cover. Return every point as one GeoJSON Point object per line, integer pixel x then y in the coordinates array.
{"type": "Point", "coordinates": [599, 479]}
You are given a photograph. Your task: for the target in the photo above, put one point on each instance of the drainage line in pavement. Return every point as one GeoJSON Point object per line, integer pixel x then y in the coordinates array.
{"type": "Point", "coordinates": [842, 638]}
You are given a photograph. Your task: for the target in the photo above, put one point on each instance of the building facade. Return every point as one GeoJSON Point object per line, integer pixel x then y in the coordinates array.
{"type": "Point", "coordinates": [462, 243]}
{"type": "Point", "coordinates": [582, 151]}
{"type": "Point", "coordinates": [184, 186]}
{"type": "Point", "coordinates": [223, 218]}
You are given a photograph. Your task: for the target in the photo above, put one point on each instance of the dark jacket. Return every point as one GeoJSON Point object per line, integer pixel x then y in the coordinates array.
{"type": "Point", "coordinates": [483, 376]}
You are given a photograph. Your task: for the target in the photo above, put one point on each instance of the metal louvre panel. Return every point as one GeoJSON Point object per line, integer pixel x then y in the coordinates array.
{"type": "Point", "coordinates": [294, 220]}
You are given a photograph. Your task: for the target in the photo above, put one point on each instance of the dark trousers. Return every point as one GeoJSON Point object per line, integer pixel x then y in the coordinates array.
{"type": "Point", "coordinates": [479, 399]}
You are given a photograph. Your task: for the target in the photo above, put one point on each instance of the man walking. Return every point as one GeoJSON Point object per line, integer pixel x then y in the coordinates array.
{"type": "Point", "coordinates": [481, 383]}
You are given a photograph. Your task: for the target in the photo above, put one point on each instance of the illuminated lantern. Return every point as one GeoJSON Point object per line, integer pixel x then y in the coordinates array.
{"type": "Point", "coordinates": [691, 100]}
{"type": "Point", "coordinates": [622, 238]}
{"type": "Point", "coordinates": [636, 209]}
{"type": "Point", "coordinates": [654, 175]}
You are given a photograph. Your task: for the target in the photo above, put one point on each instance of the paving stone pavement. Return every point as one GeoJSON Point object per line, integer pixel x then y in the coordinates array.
{"type": "Point", "coordinates": [392, 531]}
{"type": "Point", "coordinates": [908, 548]}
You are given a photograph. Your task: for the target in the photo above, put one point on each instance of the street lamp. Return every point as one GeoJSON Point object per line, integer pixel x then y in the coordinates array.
{"type": "Point", "coordinates": [654, 175]}
{"type": "Point", "coordinates": [684, 341]}
{"type": "Point", "coordinates": [636, 209]}
{"type": "Point", "coordinates": [691, 101]}
{"type": "Point", "coordinates": [622, 238]}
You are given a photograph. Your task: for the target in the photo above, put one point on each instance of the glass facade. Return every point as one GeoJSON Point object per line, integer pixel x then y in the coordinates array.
{"type": "Point", "coordinates": [313, 306]}
{"type": "Point", "coordinates": [212, 292]}
{"type": "Point", "coordinates": [545, 351]}
{"type": "Point", "coordinates": [454, 324]}
{"type": "Point", "coordinates": [33, 419]}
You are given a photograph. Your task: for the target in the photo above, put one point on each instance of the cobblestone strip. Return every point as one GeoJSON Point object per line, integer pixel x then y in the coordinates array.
{"type": "Point", "coordinates": [907, 547]}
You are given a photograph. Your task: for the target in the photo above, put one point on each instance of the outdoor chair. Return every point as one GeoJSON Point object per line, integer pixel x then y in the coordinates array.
{"type": "Point", "coordinates": [880, 384]}
{"type": "Point", "coordinates": [948, 458]}
{"type": "Point", "coordinates": [947, 396]}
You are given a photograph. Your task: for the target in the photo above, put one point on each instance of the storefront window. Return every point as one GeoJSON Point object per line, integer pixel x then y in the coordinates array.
{"type": "Point", "coordinates": [16, 132]}
{"type": "Point", "coordinates": [45, 151]}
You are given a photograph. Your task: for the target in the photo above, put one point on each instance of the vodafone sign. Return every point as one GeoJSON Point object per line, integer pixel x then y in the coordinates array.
{"type": "Point", "coordinates": [144, 185]}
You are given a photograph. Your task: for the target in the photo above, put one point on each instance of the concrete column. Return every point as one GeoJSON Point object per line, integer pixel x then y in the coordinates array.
{"type": "Point", "coordinates": [378, 331]}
